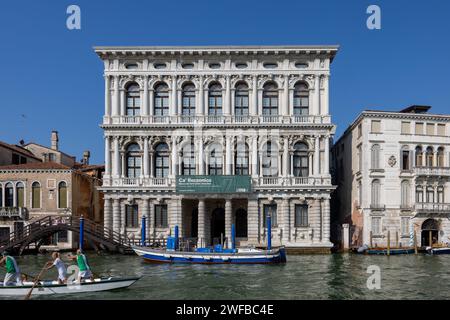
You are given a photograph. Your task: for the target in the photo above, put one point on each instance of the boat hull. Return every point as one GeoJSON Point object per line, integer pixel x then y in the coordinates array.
{"type": "Point", "coordinates": [439, 251]}
{"type": "Point", "coordinates": [392, 252]}
{"type": "Point", "coordinates": [52, 287]}
{"type": "Point", "coordinates": [250, 257]}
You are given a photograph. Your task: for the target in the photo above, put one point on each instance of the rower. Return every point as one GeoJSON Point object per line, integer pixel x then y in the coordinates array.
{"type": "Point", "coordinates": [60, 266]}
{"type": "Point", "coordinates": [85, 270]}
{"type": "Point", "coordinates": [12, 270]}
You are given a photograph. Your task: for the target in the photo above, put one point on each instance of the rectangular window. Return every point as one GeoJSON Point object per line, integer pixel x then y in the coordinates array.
{"type": "Point", "coordinates": [15, 159]}
{"type": "Point", "coordinates": [301, 215]}
{"type": "Point", "coordinates": [441, 129]}
{"type": "Point", "coordinates": [376, 225]}
{"type": "Point", "coordinates": [52, 157]}
{"type": "Point", "coordinates": [4, 233]}
{"type": "Point", "coordinates": [359, 158]}
{"type": "Point", "coordinates": [161, 220]}
{"type": "Point", "coordinates": [430, 129]}
{"type": "Point", "coordinates": [272, 209]}
{"type": "Point", "coordinates": [62, 236]}
{"type": "Point", "coordinates": [419, 128]}
{"type": "Point", "coordinates": [406, 127]}
{"type": "Point", "coordinates": [131, 216]}
{"type": "Point", "coordinates": [359, 130]}
{"type": "Point", "coordinates": [405, 226]}
{"type": "Point", "coordinates": [376, 126]}
{"type": "Point", "coordinates": [405, 160]}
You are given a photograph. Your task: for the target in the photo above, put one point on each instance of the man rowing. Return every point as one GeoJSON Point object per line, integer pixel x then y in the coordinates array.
{"type": "Point", "coordinates": [85, 270]}
{"type": "Point", "coordinates": [60, 266]}
{"type": "Point", "coordinates": [12, 270]}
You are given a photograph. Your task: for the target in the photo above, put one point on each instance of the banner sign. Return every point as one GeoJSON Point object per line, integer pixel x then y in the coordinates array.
{"type": "Point", "coordinates": [213, 184]}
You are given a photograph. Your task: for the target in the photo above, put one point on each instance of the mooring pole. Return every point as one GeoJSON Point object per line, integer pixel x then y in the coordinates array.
{"type": "Point", "coordinates": [269, 232]}
{"type": "Point", "coordinates": [81, 240]}
{"type": "Point", "coordinates": [415, 242]}
{"type": "Point", "coordinates": [176, 237]}
{"type": "Point", "coordinates": [389, 243]}
{"type": "Point", "coordinates": [143, 230]}
{"type": "Point", "coordinates": [233, 237]}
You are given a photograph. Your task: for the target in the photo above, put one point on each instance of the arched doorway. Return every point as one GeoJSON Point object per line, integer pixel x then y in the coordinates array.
{"type": "Point", "coordinates": [241, 223]}
{"type": "Point", "coordinates": [430, 230]}
{"type": "Point", "coordinates": [217, 225]}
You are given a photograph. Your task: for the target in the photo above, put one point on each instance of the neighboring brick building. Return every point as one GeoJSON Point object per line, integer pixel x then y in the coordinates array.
{"type": "Point", "coordinates": [33, 190]}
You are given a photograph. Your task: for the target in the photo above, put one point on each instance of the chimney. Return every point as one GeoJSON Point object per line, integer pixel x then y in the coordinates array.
{"type": "Point", "coordinates": [54, 140]}
{"type": "Point", "coordinates": [86, 156]}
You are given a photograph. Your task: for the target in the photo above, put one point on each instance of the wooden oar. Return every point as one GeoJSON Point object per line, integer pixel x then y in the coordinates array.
{"type": "Point", "coordinates": [35, 282]}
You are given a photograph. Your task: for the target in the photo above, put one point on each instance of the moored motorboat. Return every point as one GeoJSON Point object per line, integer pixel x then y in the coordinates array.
{"type": "Point", "coordinates": [47, 287]}
{"type": "Point", "coordinates": [392, 251]}
{"type": "Point", "coordinates": [439, 250]}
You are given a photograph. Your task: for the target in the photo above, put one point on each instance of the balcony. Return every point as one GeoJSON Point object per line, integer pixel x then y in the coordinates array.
{"type": "Point", "coordinates": [377, 207]}
{"type": "Point", "coordinates": [432, 209]}
{"type": "Point", "coordinates": [217, 119]}
{"type": "Point", "coordinates": [14, 212]}
{"type": "Point", "coordinates": [432, 171]}
{"type": "Point", "coordinates": [291, 181]}
{"type": "Point", "coordinates": [139, 182]}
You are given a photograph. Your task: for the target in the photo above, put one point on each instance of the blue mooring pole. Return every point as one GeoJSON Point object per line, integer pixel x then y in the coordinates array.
{"type": "Point", "coordinates": [233, 237]}
{"type": "Point", "coordinates": [143, 230]}
{"type": "Point", "coordinates": [81, 233]}
{"type": "Point", "coordinates": [176, 237]}
{"type": "Point", "coordinates": [269, 232]}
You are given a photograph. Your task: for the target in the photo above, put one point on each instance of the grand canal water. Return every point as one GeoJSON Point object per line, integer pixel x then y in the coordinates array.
{"type": "Point", "coordinates": [336, 276]}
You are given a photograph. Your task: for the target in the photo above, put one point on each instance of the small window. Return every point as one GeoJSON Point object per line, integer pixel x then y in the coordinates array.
{"type": "Point", "coordinates": [419, 128]}
{"type": "Point", "coordinates": [131, 216]}
{"type": "Point", "coordinates": [241, 65]}
{"type": "Point", "coordinates": [359, 130]}
{"type": "Point", "coordinates": [270, 65]}
{"type": "Point", "coordinates": [131, 66]}
{"type": "Point", "coordinates": [376, 126]}
{"type": "Point", "coordinates": [161, 216]}
{"type": "Point", "coordinates": [430, 129]}
{"type": "Point", "coordinates": [187, 66]}
{"type": "Point", "coordinates": [301, 215]}
{"type": "Point", "coordinates": [15, 159]}
{"type": "Point", "coordinates": [214, 65]}
{"type": "Point", "coordinates": [376, 225]}
{"type": "Point", "coordinates": [405, 226]}
{"type": "Point", "coordinates": [301, 65]}
{"type": "Point", "coordinates": [159, 65]}
{"type": "Point", "coordinates": [406, 127]}
{"type": "Point", "coordinates": [441, 129]}
{"type": "Point", "coordinates": [272, 210]}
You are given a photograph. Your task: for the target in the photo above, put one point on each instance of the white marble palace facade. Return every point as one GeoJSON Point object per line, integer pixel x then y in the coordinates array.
{"type": "Point", "coordinates": [261, 112]}
{"type": "Point", "coordinates": [392, 171]}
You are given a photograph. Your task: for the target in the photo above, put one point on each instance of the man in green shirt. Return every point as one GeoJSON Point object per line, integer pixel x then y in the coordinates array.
{"type": "Point", "coordinates": [85, 270]}
{"type": "Point", "coordinates": [12, 276]}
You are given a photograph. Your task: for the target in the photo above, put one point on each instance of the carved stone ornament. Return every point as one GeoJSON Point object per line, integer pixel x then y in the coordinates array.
{"type": "Point", "coordinates": [392, 161]}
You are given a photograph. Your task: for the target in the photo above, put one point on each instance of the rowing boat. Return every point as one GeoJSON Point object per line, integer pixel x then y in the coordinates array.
{"type": "Point", "coordinates": [47, 287]}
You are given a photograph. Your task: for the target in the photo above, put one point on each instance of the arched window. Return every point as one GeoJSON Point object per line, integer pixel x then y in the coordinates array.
{"type": "Point", "coordinates": [375, 156]}
{"type": "Point", "coordinates": [215, 160]}
{"type": "Point", "coordinates": [133, 100]}
{"type": "Point", "coordinates": [430, 194]}
{"type": "Point", "coordinates": [270, 160]}
{"type": "Point", "coordinates": [300, 159]}
{"type": "Point", "coordinates": [188, 160]}
{"type": "Point", "coordinates": [419, 157]}
{"type": "Point", "coordinates": [301, 99]}
{"type": "Point", "coordinates": [405, 196]}
{"type": "Point", "coordinates": [376, 190]}
{"type": "Point", "coordinates": [270, 99]}
{"type": "Point", "coordinates": [215, 100]}
{"type": "Point", "coordinates": [9, 195]}
{"type": "Point", "coordinates": [133, 158]}
{"type": "Point", "coordinates": [440, 157]}
{"type": "Point", "coordinates": [429, 158]}
{"type": "Point", "coordinates": [20, 191]}
{"type": "Point", "coordinates": [241, 99]}
{"type": "Point", "coordinates": [162, 160]}
{"type": "Point", "coordinates": [161, 98]}
{"type": "Point", "coordinates": [241, 159]}
{"type": "Point", "coordinates": [188, 100]}
{"type": "Point", "coordinates": [36, 195]}
{"type": "Point", "coordinates": [62, 195]}
{"type": "Point", "coordinates": [419, 194]}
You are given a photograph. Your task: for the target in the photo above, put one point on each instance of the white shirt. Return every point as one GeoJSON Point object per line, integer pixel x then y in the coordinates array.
{"type": "Point", "coordinates": [59, 264]}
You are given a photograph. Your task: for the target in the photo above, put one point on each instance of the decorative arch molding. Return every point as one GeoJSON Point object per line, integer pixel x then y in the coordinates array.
{"type": "Point", "coordinates": [155, 80]}
{"type": "Point", "coordinates": [236, 79]}
{"type": "Point", "coordinates": [125, 142]}
{"type": "Point", "coordinates": [277, 79]}
{"type": "Point", "coordinates": [185, 80]}
{"type": "Point", "coordinates": [125, 81]}
{"type": "Point", "coordinates": [210, 79]}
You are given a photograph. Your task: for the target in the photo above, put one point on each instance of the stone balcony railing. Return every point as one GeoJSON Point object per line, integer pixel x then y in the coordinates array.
{"type": "Point", "coordinates": [14, 212]}
{"type": "Point", "coordinates": [257, 182]}
{"type": "Point", "coordinates": [219, 119]}
{"type": "Point", "coordinates": [432, 171]}
{"type": "Point", "coordinates": [432, 207]}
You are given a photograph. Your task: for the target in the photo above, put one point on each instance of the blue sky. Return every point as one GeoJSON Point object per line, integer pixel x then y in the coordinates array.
{"type": "Point", "coordinates": [50, 77]}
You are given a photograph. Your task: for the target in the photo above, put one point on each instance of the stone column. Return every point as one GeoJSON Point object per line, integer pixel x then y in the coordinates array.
{"type": "Point", "coordinates": [316, 222]}
{"type": "Point", "coordinates": [116, 215]}
{"type": "Point", "coordinates": [145, 107]}
{"type": "Point", "coordinates": [107, 158]}
{"type": "Point", "coordinates": [200, 110]}
{"type": "Point", "coordinates": [151, 219]}
{"type": "Point", "coordinates": [255, 156]}
{"type": "Point", "coordinates": [317, 94]}
{"type": "Point", "coordinates": [151, 109]}
{"type": "Point", "coordinates": [123, 219]}
{"type": "Point", "coordinates": [123, 165]}
{"type": "Point", "coordinates": [228, 218]}
{"type": "Point", "coordinates": [310, 164]}
{"type": "Point", "coordinates": [227, 96]}
{"type": "Point", "coordinates": [201, 164]}
{"type": "Point", "coordinates": [201, 223]}
{"type": "Point", "coordinates": [326, 166]}
{"type": "Point", "coordinates": [174, 156]}
{"type": "Point", "coordinates": [284, 223]}
{"type": "Point", "coordinates": [107, 220]}
{"type": "Point", "coordinates": [116, 163]}
{"type": "Point", "coordinates": [286, 157]}
{"type": "Point", "coordinates": [252, 222]}
{"type": "Point", "coordinates": [228, 155]}
{"type": "Point", "coordinates": [317, 157]}
{"type": "Point", "coordinates": [285, 111]}
{"type": "Point", "coordinates": [107, 97]}
{"type": "Point", "coordinates": [345, 237]}
{"type": "Point", "coordinates": [326, 220]}
{"type": "Point", "coordinates": [326, 97]}
{"type": "Point", "coordinates": [173, 104]}
{"type": "Point", "coordinates": [122, 103]}
{"type": "Point", "coordinates": [146, 162]}
{"type": "Point", "coordinates": [175, 217]}
{"type": "Point", "coordinates": [146, 213]}
{"type": "Point", "coordinates": [254, 110]}
{"type": "Point", "coordinates": [116, 102]}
